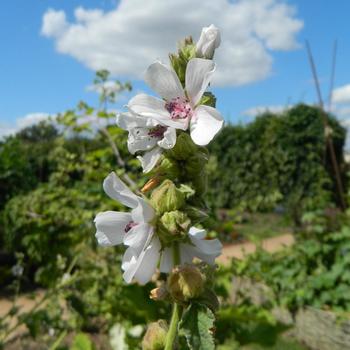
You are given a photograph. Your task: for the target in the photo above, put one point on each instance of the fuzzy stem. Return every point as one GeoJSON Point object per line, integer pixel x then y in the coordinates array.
{"type": "Point", "coordinates": [177, 310]}
{"type": "Point", "coordinates": [171, 336]}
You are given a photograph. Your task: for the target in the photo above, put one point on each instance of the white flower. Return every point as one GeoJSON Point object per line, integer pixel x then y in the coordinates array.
{"type": "Point", "coordinates": [17, 270]}
{"type": "Point", "coordinates": [180, 109]}
{"type": "Point", "coordinates": [201, 248]}
{"type": "Point", "coordinates": [148, 136]}
{"type": "Point", "coordinates": [209, 41]}
{"type": "Point", "coordinates": [133, 229]}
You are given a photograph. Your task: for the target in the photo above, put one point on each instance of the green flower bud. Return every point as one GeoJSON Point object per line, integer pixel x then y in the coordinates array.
{"type": "Point", "coordinates": [173, 226]}
{"type": "Point", "coordinates": [208, 99]}
{"type": "Point", "coordinates": [200, 183]}
{"type": "Point", "coordinates": [186, 51]}
{"type": "Point", "coordinates": [155, 336]}
{"type": "Point", "coordinates": [185, 283]}
{"type": "Point", "coordinates": [196, 215]}
{"type": "Point", "coordinates": [184, 147]}
{"type": "Point", "coordinates": [195, 165]}
{"type": "Point", "coordinates": [167, 197]}
{"type": "Point", "coordinates": [168, 167]}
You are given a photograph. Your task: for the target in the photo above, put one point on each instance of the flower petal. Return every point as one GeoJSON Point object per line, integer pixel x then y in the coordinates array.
{"type": "Point", "coordinates": [139, 139]}
{"type": "Point", "coordinates": [148, 106]}
{"type": "Point", "coordinates": [205, 124]}
{"type": "Point", "coordinates": [152, 107]}
{"type": "Point", "coordinates": [150, 159]}
{"type": "Point", "coordinates": [143, 213]}
{"type": "Point", "coordinates": [142, 267]}
{"type": "Point", "coordinates": [110, 227]}
{"type": "Point", "coordinates": [164, 81]}
{"type": "Point", "coordinates": [137, 236]}
{"type": "Point", "coordinates": [128, 121]}
{"type": "Point", "coordinates": [198, 75]}
{"type": "Point", "coordinates": [206, 250]}
{"type": "Point", "coordinates": [166, 262]}
{"type": "Point", "coordinates": [169, 139]}
{"type": "Point", "coordinates": [187, 253]}
{"type": "Point", "coordinates": [116, 189]}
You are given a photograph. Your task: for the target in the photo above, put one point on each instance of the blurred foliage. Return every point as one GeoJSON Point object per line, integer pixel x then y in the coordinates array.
{"type": "Point", "coordinates": [276, 159]}
{"type": "Point", "coordinates": [314, 272]}
{"type": "Point", "coordinates": [50, 190]}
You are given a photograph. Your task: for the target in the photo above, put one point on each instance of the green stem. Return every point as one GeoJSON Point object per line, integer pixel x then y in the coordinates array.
{"type": "Point", "coordinates": [171, 336]}
{"type": "Point", "coordinates": [177, 309]}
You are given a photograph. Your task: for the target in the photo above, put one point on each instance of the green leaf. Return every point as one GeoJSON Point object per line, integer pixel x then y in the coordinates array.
{"type": "Point", "coordinates": [196, 324]}
{"type": "Point", "coordinates": [82, 342]}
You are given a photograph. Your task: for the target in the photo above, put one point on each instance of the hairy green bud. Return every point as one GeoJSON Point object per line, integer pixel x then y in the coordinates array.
{"type": "Point", "coordinates": [167, 197]}
{"type": "Point", "coordinates": [186, 282]}
{"type": "Point", "coordinates": [186, 51]}
{"type": "Point", "coordinates": [196, 164]}
{"type": "Point", "coordinates": [184, 147]}
{"type": "Point", "coordinates": [168, 167]}
{"type": "Point", "coordinates": [173, 225]}
{"type": "Point", "coordinates": [196, 215]}
{"type": "Point", "coordinates": [155, 336]}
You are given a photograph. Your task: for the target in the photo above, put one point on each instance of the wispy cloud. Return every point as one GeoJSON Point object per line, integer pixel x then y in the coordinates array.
{"type": "Point", "coordinates": [128, 38]}
{"type": "Point", "coordinates": [254, 111]}
{"type": "Point", "coordinates": [23, 122]}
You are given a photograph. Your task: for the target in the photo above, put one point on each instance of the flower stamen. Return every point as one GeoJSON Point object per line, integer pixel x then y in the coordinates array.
{"type": "Point", "coordinates": [129, 226]}
{"type": "Point", "coordinates": [179, 108]}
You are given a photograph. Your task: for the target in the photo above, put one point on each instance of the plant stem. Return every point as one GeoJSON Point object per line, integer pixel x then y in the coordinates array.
{"type": "Point", "coordinates": [177, 310]}
{"type": "Point", "coordinates": [171, 336]}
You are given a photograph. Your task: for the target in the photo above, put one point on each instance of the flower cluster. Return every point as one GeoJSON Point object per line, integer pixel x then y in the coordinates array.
{"type": "Point", "coordinates": [169, 135]}
{"type": "Point", "coordinates": [155, 126]}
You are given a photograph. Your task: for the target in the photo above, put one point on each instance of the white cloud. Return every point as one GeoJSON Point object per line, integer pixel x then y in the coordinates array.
{"type": "Point", "coordinates": [54, 23]}
{"type": "Point", "coordinates": [257, 110]}
{"type": "Point", "coordinates": [127, 39]}
{"type": "Point", "coordinates": [23, 122]}
{"type": "Point", "coordinates": [341, 94]}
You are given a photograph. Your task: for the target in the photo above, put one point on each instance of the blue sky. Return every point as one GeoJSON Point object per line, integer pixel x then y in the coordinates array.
{"type": "Point", "coordinates": [39, 77]}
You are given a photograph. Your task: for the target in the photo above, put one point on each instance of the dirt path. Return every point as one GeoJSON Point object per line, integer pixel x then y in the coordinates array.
{"type": "Point", "coordinates": [238, 251]}
{"type": "Point", "coordinates": [233, 250]}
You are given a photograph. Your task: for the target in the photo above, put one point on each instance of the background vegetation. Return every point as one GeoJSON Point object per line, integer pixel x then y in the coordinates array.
{"type": "Point", "coordinates": [268, 177]}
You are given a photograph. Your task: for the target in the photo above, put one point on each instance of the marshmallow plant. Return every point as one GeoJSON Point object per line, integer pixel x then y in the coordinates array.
{"type": "Point", "coordinates": [162, 232]}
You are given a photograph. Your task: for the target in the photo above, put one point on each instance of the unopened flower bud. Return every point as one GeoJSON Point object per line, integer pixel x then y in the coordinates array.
{"type": "Point", "coordinates": [209, 40]}
{"type": "Point", "coordinates": [184, 147]}
{"type": "Point", "coordinates": [195, 165]}
{"type": "Point", "coordinates": [155, 336]}
{"type": "Point", "coordinates": [196, 215]}
{"type": "Point", "coordinates": [159, 293]}
{"type": "Point", "coordinates": [185, 283]}
{"type": "Point", "coordinates": [168, 167]}
{"type": "Point", "coordinates": [167, 197]}
{"type": "Point", "coordinates": [176, 223]}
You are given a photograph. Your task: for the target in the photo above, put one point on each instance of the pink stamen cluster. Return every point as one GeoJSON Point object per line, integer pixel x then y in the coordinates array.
{"type": "Point", "coordinates": [129, 226]}
{"type": "Point", "coordinates": [179, 108]}
{"type": "Point", "coordinates": [158, 131]}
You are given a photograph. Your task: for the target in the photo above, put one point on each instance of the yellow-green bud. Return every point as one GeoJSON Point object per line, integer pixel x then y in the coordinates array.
{"type": "Point", "coordinates": [195, 165]}
{"type": "Point", "coordinates": [167, 197]}
{"type": "Point", "coordinates": [196, 215]}
{"type": "Point", "coordinates": [168, 167]}
{"type": "Point", "coordinates": [155, 336]}
{"type": "Point", "coordinates": [185, 283]}
{"type": "Point", "coordinates": [184, 147]}
{"type": "Point", "coordinates": [175, 223]}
